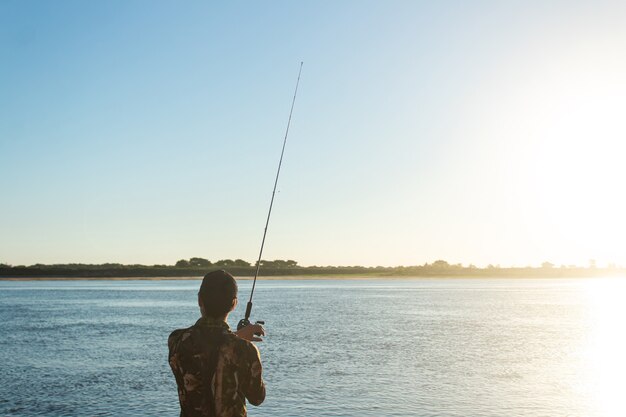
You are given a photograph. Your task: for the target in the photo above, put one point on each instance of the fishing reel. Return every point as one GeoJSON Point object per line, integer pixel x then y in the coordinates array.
{"type": "Point", "coordinates": [245, 322]}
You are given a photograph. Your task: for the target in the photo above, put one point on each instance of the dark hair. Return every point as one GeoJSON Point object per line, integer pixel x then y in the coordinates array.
{"type": "Point", "coordinates": [217, 291]}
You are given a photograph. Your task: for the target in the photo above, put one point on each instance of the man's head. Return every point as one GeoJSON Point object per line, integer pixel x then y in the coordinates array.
{"type": "Point", "coordinates": [218, 294]}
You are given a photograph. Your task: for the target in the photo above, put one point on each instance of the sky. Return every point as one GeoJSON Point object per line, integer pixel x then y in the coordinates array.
{"type": "Point", "coordinates": [486, 132]}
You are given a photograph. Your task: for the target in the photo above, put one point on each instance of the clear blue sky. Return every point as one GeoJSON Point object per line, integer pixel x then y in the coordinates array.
{"type": "Point", "coordinates": [149, 131]}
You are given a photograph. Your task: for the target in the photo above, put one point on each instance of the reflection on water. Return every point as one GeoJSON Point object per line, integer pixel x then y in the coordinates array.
{"type": "Point", "coordinates": [420, 347]}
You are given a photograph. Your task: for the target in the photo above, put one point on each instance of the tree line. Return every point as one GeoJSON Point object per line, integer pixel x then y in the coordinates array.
{"type": "Point", "coordinates": [204, 263]}
{"type": "Point", "coordinates": [196, 266]}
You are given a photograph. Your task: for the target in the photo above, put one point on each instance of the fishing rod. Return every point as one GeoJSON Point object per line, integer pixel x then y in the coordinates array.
{"type": "Point", "coordinates": [246, 320]}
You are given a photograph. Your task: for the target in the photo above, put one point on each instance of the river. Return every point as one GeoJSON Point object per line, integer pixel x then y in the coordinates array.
{"type": "Point", "coordinates": [386, 347]}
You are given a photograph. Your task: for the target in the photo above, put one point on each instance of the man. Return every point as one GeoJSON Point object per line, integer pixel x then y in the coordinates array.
{"type": "Point", "coordinates": [216, 370]}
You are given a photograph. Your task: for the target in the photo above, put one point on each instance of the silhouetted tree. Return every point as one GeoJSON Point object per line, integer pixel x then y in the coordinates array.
{"type": "Point", "coordinates": [240, 262]}
{"type": "Point", "coordinates": [182, 264]}
{"type": "Point", "coordinates": [225, 262]}
{"type": "Point", "coordinates": [199, 262]}
{"type": "Point", "coordinates": [441, 264]}
{"type": "Point", "coordinates": [278, 263]}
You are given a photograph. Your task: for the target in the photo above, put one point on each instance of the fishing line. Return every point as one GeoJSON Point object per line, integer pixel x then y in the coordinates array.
{"type": "Point", "coordinates": [245, 321]}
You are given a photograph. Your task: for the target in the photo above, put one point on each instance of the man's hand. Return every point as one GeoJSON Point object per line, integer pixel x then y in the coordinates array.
{"type": "Point", "coordinates": [248, 332]}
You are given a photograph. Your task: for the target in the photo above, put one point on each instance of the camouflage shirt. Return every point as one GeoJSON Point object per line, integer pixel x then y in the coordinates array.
{"type": "Point", "coordinates": [215, 370]}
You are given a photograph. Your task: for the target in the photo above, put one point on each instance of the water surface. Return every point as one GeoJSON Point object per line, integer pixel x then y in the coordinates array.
{"type": "Point", "coordinates": [416, 347]}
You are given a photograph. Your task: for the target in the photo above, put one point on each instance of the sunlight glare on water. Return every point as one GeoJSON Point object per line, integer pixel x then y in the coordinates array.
{"type": "Point", "coordinates": [605, 350]}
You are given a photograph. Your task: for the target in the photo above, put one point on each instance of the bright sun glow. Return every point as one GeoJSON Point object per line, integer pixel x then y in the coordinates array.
{"type": "Point", "coordinates": [559, 131]}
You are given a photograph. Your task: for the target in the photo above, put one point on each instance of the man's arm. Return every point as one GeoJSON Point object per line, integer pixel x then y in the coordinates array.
{"type": "Point", "coordinates": [255, 390]}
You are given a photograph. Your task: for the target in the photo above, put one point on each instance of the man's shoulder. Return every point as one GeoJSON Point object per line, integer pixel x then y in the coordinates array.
{"type": "Point", "coordinates": [178, 332]}
{"type": "Point", "coordinates": [242, 347]}
{"type": "Point", "coordinates": [177, 336]}
{"type": "Point", "coordinates": [185, 339]}
{"type": "Point", "coordinates": [192, 332]}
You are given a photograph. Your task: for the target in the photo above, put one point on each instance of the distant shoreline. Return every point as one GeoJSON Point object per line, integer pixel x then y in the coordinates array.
{"type": "Point", "coordinates": [376, 277]}
{"type": "Point", "coordinates": [289, 270]}
{"type": "Point", "coordinates": [240, 278]}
